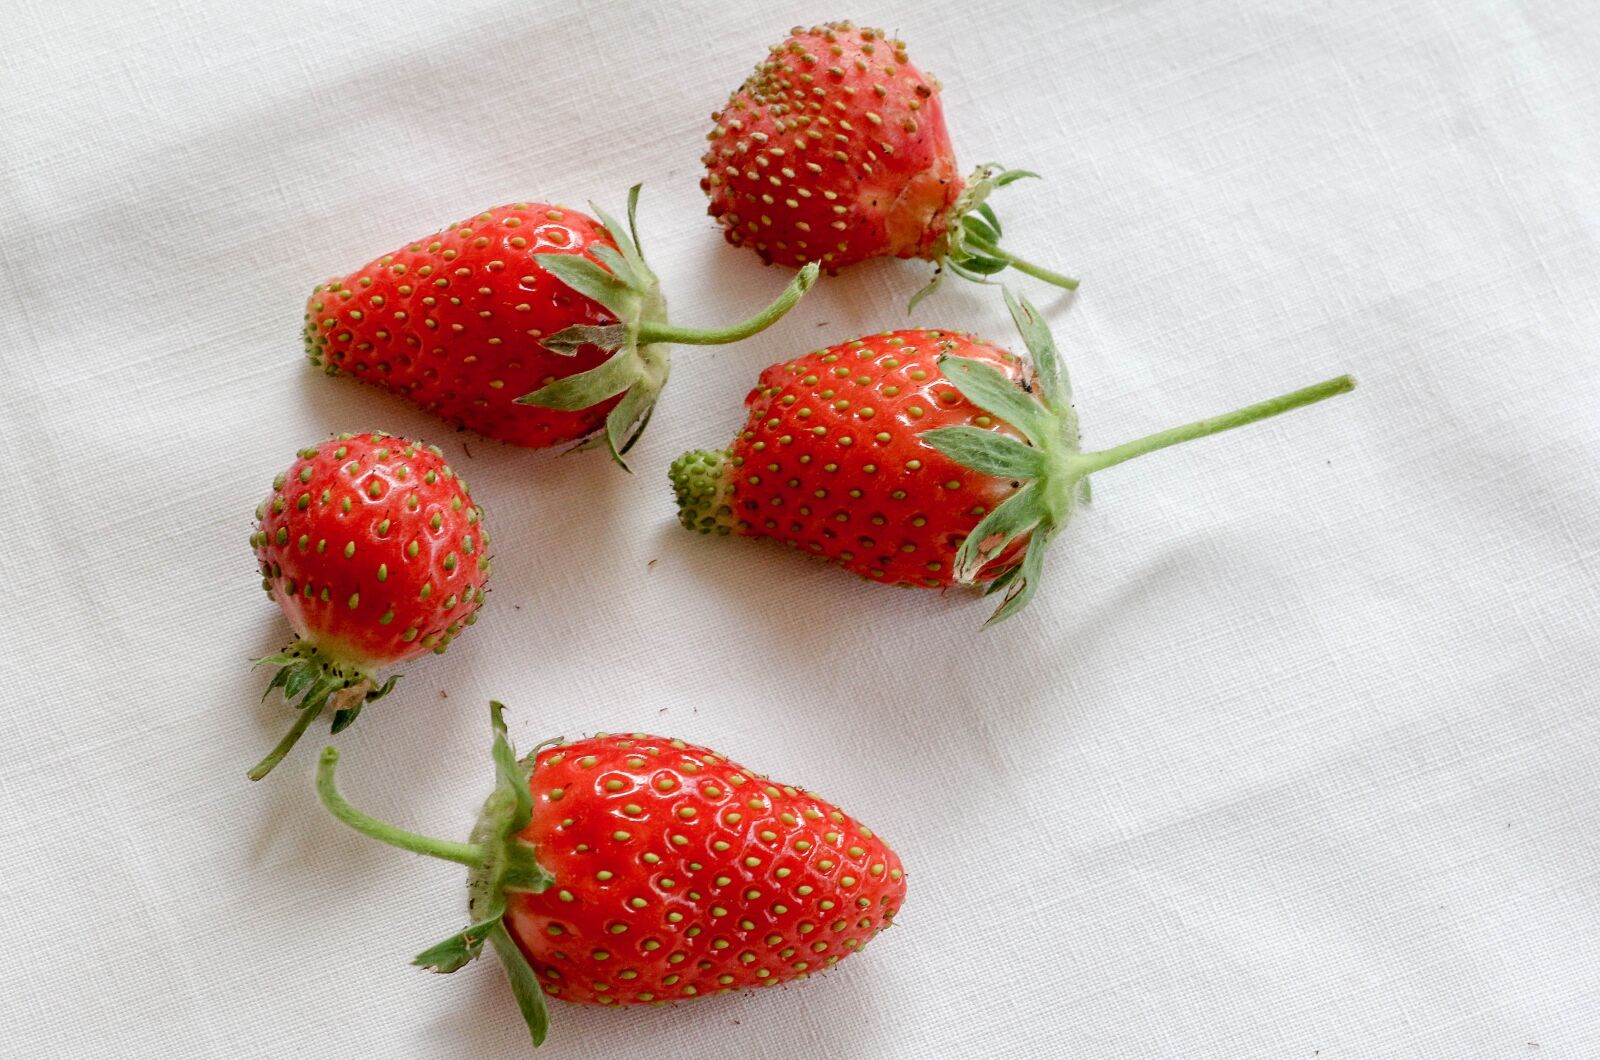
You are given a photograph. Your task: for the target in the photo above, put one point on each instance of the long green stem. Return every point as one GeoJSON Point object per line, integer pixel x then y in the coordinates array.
{"type": "Point", "coordinates": [328, 792]}
{"type": "Point", "coordinates": [661, 331]}
{"type": "Point", "coordinates": [1038, 272]}
{"type": "Point", "coordinates": [1216, 424]}
{"type": "Point", "coordinates": [308, 714]}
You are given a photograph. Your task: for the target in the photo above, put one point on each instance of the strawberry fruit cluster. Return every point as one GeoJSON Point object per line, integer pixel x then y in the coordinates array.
{"type": "Point", "coordinates": [635, 869]}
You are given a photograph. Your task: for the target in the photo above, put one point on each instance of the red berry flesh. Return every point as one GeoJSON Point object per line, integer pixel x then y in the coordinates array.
{"type": "Point", "coordinates": [922, 458]}
{"type": "Point", "coordinates": [681, 874]}
{"type": "Point", "coordinates": [374, 550]}
{"type": "Point", "coordinates": [832, 460]}
{"type": "Point", "coordinates": [834, 149]}
{"type": "Point", "coordinates": [640, 870]}
{"type": "Point", "coordinates": [453, 322]}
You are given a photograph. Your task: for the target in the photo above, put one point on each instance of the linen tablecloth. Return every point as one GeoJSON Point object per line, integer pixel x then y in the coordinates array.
{"type": "Point", "coordinates": [1295, 755]}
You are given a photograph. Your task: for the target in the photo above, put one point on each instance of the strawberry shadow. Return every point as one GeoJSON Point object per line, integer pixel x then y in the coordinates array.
{"type": "Point", "coordinates": [1071, 629]}
{"type": "Point", "coordinates": [1054, 302]}
{"type": "Point", "coordinates": [539, 504]}
{"type": "Point", "coordinates": [485, 1020]}
{"type": "Point", "coordinates": [757, 582]}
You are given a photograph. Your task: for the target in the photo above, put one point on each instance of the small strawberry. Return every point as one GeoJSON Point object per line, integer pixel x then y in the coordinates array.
{"type": "Point", "coordinates": [531, 324]}
{"type": "Point", "coordinates": [376, 554]}
{"type": "Point", "coordinates": [641, 870]}
{"type": "Point", "coordinates": [920, 458]}
{"type": "Point", "coordinates": [835, 149]}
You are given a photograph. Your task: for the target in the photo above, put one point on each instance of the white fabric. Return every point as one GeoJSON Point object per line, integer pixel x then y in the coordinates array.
{"type": "Point", "coordinates": [1294, 756]}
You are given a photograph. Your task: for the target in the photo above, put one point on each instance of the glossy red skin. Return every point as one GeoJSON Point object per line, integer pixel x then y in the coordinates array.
{"type": "Point", "coordinates": [887, 510]}
{"type": "Point", "coordinates": [452, 323]}
{"type": "Point", "coordinates": [725, 939]}
{"type": "Point", "coordinates": [882, 152]}
{"type": "Point", "coordinates": [359, 635]}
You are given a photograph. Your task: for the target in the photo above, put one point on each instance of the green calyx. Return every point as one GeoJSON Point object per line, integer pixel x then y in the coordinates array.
{"type": "Point", "coordinates": [640, 341]}
{"type": "Point", "coordinates": [498, 859]}
{"type": "Point", "coordinates": [317, 681]}
{"type": "Point", "coordinates": [1051, 470]}
{"type": "Point", "coordinates": [970, 246]}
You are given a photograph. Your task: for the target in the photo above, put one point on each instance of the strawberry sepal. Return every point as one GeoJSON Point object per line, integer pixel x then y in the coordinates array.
{"type": "Point", "coordinates": [1048, 466]}
{"type": "Point", "coordinates": [640, 341]}
{"type": "Point", "coordinates": [313, 681]}
{"type": "Point", "coordinates": [460, 949]}
{"type": "Point", "coordinates": [524, 983]}
{"type": "Point", "coordinates": [969, 243]}
{"type": "Point", "coordinates": [344, 717]}
{"type": "Point", "coordinates": [1060, 469]}
{"type": "Point", "coordinates": [498, 862]}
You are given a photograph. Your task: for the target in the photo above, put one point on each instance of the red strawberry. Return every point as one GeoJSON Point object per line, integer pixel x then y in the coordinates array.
{"type": "Point", "coordinates": [835, 149]}
{"type": "Point", "coordinates": [376, 554]}
{"type": "Point", "coordinates": [641, 870]}
{"type": "Point", "coordinates": [530, 323]}
{"type": "Point", "coordinates": [920, 458]}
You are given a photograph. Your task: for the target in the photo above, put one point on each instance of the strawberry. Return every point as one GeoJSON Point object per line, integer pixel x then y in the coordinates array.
{"type": "Point", "coordinates": [926, 458]}
{"type": "Point", "coordinates": [640, 870]}
{"type": "Point", "coordinates": [529, 323]}
{"type": "Point", "coordinates": [835, 149]}
{"type": "Point", "coordinates": [374, 550]}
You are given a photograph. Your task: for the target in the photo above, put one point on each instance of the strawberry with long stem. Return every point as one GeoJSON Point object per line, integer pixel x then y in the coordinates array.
{"type": "Point", "coordinates": [532, 324]}
{"type": "Point", "coordinates": [835, 149]}
{"type": "Point", "coordinates": [923, 458]}
{"type": "Point", "coordinates": [630, 870]}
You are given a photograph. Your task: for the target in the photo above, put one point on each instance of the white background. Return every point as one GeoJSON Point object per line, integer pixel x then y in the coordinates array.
{"type": "Point", "coordinates": [1294, 756]}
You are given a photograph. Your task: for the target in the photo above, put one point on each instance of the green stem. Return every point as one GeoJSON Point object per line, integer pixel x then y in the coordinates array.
{"type": "Point", "coordinates": [1216, 424]}
{"type": "Point", "coordinates": [660, 331]}
{"type": "Point", "coordinates": [1038, 272]}
{"type": "Point", "coordinates": [460, 853]}
{"type": "Point", "coordinates": [308, 714]}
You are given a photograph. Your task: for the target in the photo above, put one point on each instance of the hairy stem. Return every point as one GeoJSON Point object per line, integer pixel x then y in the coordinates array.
{"type": "Point", "coordinates": [661, 331]}
{"type": "Point", "coordinates": [328, 792]}
{"type": "Point", "coordinates": [1038, 272]}
{"type": "Point", "coordinates": [308, 714]}
{"type": "Point", "coordinates": [1216, 424]}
